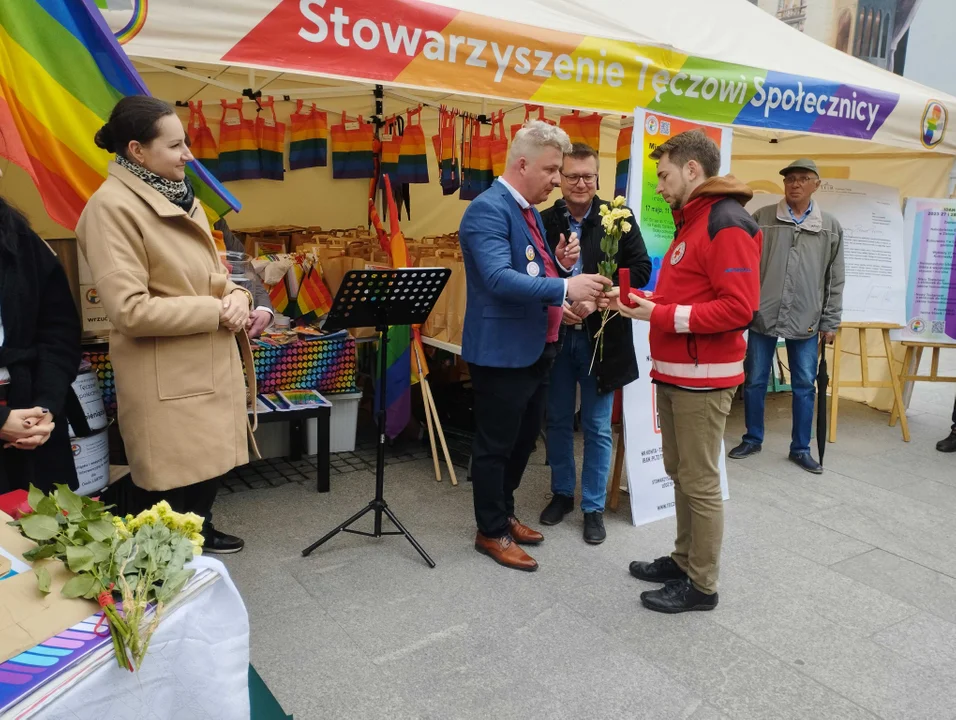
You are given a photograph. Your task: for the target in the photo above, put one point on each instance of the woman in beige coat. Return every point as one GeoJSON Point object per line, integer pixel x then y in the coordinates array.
{"type": "Point", "coordinates": [180, 386]}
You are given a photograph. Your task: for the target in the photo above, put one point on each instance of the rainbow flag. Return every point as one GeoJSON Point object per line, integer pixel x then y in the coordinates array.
{"type": "Point", "coordinates": [293, 281]}
{"type": "Point", "coordinates": [623, 167]}
{"type": "Point", "coordinates": [279, 297]}
{"type": "Point", "coordinates": [314, 297]}
{"type": "Point", "coordinates": [61, 73]}
{"type": "Point", "coordinates": [398, 396]}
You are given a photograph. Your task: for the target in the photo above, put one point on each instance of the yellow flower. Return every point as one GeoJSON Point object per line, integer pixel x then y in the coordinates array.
{"type": "Point", "coordinates": [121, 530]}
{"type": "Point", "coordinates": [619, 201]}
{"type": "Point", "coordinates": [162, 509]}
{"type": "Point", "coordinates": [185, 523]}
{"type": "Point", "coordinates": [604, 210]}
{"type": "Point", "coordinates": [626, 226]}
{"type": "Point", "coordinates": [147, 517]}
{"type": "Point", "coordinates": [197, 540]}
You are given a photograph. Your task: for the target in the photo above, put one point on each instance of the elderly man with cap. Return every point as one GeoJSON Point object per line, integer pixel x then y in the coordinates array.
{"type": "Point", "coordinates": [801, 300]}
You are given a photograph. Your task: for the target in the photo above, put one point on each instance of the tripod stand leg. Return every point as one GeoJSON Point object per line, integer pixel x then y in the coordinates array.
{"type": "Point", "coordinates": [412, 540]}
{"type": "Point", "coordinates": [340, 528]}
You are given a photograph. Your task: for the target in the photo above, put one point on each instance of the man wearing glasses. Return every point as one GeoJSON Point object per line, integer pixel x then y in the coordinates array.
{"type": "Point", "coordinates": [801, 300]}
{"type": "Point", "coordinates": [580, 214]}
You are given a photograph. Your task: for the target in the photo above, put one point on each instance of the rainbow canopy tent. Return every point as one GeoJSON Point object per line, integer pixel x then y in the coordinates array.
{"type": "Point", "coordinates": [720, 61]}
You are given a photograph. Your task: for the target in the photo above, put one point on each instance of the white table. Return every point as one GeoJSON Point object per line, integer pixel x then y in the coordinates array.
{"type": "Point", "coordinates": [196, 668]}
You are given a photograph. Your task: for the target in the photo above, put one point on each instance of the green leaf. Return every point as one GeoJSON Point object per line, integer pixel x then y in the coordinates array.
{"type": "Point", "coordinates": [34, 496]}
{"type": "Point", "coordinates": [40, 552]}
{"type": "Point", "coordinates": [68, 500]}
{"type": "Point", "coordinates": [79, 558]}
{"type": "Point", "coordinates": [101, 529]}
{"type": "Point", "coordinates": [47, 506]}
{"type": "Point", "coordinates": [43, 579]}
{"type": "Point", "coordinates": [78, 586]}
{"type": "Point", "coordinates": [101, 551]}
{"type": "Point", "coordinates": [39, 527]}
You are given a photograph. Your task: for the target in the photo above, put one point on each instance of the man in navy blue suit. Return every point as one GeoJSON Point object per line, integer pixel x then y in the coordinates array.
{"type": "Point", "coordinates": [517, 288]}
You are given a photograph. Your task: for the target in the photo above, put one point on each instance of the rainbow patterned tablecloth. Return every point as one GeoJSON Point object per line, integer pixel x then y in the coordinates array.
{"type": "Point", "coordinates": [326, 365]}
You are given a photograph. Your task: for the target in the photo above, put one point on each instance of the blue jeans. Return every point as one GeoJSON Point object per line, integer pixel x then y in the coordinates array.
{"type": "Point", "coordinates": [802, 357]}
{"type": "Point", "coordinates": [570, 368]}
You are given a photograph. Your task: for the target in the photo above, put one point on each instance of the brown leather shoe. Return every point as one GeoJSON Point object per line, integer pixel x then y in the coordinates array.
{"type": "Point", "coordinates": [522, 534]}
{"type": "Point", "coordinates": [505, 552]}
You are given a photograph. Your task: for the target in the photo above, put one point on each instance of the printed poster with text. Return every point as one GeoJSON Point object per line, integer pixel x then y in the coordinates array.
{"type": "Point", "coordinates": [650, 489]}
{"type": "Point", "coordinates": [930, 232]}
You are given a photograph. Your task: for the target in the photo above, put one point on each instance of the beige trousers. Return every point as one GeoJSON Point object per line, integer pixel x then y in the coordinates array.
{"type": "Point", "coordinates": [692, 428]}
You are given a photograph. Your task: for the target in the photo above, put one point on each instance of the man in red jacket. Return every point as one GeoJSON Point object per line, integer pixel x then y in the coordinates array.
{"type": "Point", "coordinates": [706, 295]}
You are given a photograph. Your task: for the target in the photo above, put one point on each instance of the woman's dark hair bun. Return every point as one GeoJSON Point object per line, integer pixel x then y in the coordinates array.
{"type": "Point", "coordinates": [135, 117]}
{"type": "Point", "coordinates": [104, 138]}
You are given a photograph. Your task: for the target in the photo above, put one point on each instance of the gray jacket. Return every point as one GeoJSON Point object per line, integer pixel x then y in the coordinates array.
{"type": "Point", "coordinates": [801, 273]}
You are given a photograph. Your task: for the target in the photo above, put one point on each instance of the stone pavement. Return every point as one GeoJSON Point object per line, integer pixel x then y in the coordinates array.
{"type": "Point", "coordinates": [837, 594]}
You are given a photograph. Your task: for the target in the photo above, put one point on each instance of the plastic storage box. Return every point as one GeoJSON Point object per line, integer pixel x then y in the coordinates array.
{"type": "Point", "coordinates": [342, 426]}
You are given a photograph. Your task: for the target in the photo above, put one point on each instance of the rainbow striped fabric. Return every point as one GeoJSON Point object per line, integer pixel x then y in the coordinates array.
{"type": "Point", "coordinates": [584, 129]}
{"type": "Point", "coordinates": [309, 146]}
{"type": "Point", "coordinates": [270, 137]}
{"type": "Point", "coordinates": [314, 299]}
{"type": "Point", "coordinates": [623, 167]}
{"type": "Point", "coordinates": [413, 161]}
{"type": "Point", "coordinates": [353, 149]}
{"type": "Point", "coordinates": [238, 145]}
{"type": "Point", "coordinates": [398, 397]}
{"type": "Point", "coordinates": [391, 149]}
{"type": "Point", "coordinates": [61, 73]}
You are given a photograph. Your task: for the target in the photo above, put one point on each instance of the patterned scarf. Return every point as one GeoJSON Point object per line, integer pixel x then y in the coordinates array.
{"type": "Point", "coordinates": [177, 192]}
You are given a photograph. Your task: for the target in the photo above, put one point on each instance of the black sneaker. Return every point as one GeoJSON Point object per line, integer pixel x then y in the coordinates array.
{"type": "Point", "coordinates": [744, 450]}
{"type": "Point", "coordinates": [218, 543]}
{"type": "Point", "coordinates": [949, 444]}
{"type": "Point", "coordinates": [662, 570]}
{"type": "Point", "coordinates": [559, 506]}
{"type": "Point", "coordinates": [678, 596]}
{"type": "Point", "coordinates": [594, 532]}
{"type": "Point", "coordinates": [806, 461]}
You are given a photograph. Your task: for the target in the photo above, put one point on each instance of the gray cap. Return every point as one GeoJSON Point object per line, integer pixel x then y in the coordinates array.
{"type": "Point", "coordinates": [801, 164]}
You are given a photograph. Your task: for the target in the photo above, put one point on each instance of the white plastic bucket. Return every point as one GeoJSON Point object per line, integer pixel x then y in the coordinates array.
{"type": "Point", "coordinates": [91, 455]}
{"type": "Point", "coordinates": [87, 390]}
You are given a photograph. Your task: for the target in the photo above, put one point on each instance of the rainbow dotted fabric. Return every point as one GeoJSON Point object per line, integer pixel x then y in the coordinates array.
{"type": "Point", "coordinates": [324, 365]}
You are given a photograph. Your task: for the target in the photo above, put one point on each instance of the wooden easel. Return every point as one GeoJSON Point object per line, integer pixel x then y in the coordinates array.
{"type": "Point", "coordinates": [864, 382]}
{"type": "Point", "coordinates": [914, 350]}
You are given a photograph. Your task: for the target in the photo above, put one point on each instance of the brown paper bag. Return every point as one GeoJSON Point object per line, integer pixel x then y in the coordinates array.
{"type": "Point", "coordinates": [28, 617]}
{"type": "Point", "coordinates": [457, 292]}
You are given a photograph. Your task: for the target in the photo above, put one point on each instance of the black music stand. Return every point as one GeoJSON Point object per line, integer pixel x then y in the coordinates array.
{"type": "Point", "coordinates": [379, 298]}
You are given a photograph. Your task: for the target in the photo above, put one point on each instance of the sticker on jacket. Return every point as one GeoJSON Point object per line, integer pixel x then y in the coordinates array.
{"type": "Point", "coordinates": [678, 253]}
